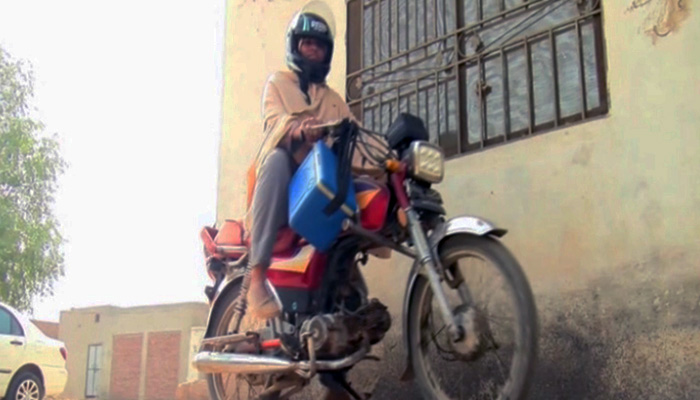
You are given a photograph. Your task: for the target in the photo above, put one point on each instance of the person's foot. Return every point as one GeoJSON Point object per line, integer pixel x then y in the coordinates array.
{"type": "Point", "coordinates": [261, 303]}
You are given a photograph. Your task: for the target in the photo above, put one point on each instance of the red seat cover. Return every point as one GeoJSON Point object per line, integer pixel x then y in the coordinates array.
{"type": "Point", "coordinates": [231, 238]}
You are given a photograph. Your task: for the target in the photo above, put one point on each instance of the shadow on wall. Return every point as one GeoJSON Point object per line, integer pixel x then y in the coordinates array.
{"type": "Point", "coordinates": [634, 333]}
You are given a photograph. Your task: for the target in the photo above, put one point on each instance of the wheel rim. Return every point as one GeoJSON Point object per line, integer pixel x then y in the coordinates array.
{"type": "Point", "coordinates": [466, 380]}
{"type": "Point", "coordinates": [28, 390]}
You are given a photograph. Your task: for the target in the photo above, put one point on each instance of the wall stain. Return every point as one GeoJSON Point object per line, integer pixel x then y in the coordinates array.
{"type": "Point", "coordinates": [662, 16]}
{"type": "Point", "coordinates": [583, 155]}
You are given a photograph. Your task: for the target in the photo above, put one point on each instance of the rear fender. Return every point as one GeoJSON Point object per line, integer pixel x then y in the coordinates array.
{"type": "Point", "coordinates": [226, 286]}
{"type": "Point", "coordinates": [469, 225]}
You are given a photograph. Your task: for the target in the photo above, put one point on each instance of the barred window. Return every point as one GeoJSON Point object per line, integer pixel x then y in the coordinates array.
{"type": "Point", "coordinates": [478, 72]}
{"type": "Point", "coordinates": [92, 375]}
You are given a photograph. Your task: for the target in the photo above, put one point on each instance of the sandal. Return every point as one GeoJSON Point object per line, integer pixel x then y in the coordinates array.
{"type": "Point", "coordinates": [263, 307]}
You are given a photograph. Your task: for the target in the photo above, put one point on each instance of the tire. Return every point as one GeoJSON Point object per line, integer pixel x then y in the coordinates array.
{"type": "Point", "coordinates": [525, 323]}
{"type": "Point", "coordinates": [26, 386]}
{"type": "Point", "coordinates": [220, 317]}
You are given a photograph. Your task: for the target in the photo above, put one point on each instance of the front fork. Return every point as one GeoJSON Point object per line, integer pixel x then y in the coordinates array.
{"type": "Point", "coordinates": [427, 259]}
{"type": "Point", "coordinates": [425, 256]}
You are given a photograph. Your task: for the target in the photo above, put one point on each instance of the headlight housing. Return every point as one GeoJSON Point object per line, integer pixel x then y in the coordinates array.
{"type": "Point", "coordinates": [426, 161]}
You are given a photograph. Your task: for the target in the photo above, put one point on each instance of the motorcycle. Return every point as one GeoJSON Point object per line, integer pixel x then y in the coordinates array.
{"type": "Point", "coordinates": [329, 323]}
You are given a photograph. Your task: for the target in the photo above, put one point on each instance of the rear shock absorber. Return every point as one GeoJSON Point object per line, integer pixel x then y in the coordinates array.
{"type": "Point", "coordinates": [241, 304]}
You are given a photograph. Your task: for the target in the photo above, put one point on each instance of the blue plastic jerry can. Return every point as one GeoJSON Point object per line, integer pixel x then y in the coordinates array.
{"type": "Point", "coordinates": [311, 189]}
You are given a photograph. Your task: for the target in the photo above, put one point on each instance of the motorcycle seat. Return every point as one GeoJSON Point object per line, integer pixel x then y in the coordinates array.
{"type": "Point", "coordinates": [230, 241]}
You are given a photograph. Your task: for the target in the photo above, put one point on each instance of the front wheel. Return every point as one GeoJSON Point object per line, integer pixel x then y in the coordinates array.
{"type": "Point", "coordinates": [492, 301]}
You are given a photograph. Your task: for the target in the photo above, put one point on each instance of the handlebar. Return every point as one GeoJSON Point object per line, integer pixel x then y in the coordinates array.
{"type": "Point", "coordinates": [328, 125]}
{"type": "Point", "coordinates": [333, 129]}
{"type": "Point", "coordinates": [328, 128]}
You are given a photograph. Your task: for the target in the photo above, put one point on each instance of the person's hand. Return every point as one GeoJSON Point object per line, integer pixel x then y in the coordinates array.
{"type": "Point", "coordinates": [307, 130]}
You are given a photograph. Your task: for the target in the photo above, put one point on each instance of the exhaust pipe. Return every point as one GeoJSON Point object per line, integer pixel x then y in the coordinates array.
{"type": "Point", "coordinates": [231, 363]}
{"type": "Point", "coordinates": [210, 362]}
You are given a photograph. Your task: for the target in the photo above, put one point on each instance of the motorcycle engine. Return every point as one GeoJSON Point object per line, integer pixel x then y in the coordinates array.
{"type": "Point", "coordinates": [342, 333]}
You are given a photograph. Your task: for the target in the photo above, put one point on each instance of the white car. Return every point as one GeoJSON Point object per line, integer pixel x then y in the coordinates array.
{"type": "Point", "coordinates": [32, 365]}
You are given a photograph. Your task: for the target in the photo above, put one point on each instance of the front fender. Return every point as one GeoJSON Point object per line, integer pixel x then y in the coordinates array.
{"type": "Point", "coordinates": [464, 224]}
{"type": "Point", "coordinates": [469, 225]}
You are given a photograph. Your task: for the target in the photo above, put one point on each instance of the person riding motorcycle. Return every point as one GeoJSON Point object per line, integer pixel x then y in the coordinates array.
{"type": "Point", "coordinates": [294, 102]}
{"type": "Point", "coordinates": [284, 356]}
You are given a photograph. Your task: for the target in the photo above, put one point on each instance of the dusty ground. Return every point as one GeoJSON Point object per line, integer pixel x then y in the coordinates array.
{"type": "Point", "coordinates": [632, 333]}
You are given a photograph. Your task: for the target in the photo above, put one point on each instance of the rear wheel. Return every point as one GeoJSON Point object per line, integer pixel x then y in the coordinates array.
{"type": "Point", "coordinates": [232, 386]}
{"type": "Point", "coordinates": [495, 306]}
{"type": "Point", "coordinates": [26, 386]}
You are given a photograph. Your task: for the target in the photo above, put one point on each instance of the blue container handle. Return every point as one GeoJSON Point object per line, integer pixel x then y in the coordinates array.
{"type": "Point", "coordinates": [344, 148]}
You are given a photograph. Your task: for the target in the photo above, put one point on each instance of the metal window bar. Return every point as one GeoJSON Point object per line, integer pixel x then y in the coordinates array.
{"type": "Point", "coordinates": [435, 25]}
{"type": "Point", "coordinates": [506, 97]}
{"type": "Point", "coordinates": [555, 76]}
{"type": "Point", "coordinates": [512, 12]}
{"type": "Point", "coordinates": [374, 62]}
{"type": "Point", "coordinates": [582, 73]}
{"type": "Point", "coordinates": [507, 46]}
{"type": "Point", "coordinates": [398, 41]}
{"type": "Point", "coordinates": [390, 51]}
{"type": "Point", "coordinates": [481, 95]}
{"type": "Point", "coordinates": [380, 33]}
{"type": "Point", "coordinates": [406, 43]}
{"type": "Point", "coordinates": [446, 99]}
{"type": "Point", "coordinates": [414, 73]}
{"type": "Point", "coordinates": [425, 20]}
{"type": "Point", "coordinates": [530, 89]}
{"type": "Point", "coordinates": [600, 61]}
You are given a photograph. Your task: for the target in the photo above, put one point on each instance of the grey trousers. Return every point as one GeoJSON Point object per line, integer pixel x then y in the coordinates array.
{"type": "Point", "coordinates": [269, 206]}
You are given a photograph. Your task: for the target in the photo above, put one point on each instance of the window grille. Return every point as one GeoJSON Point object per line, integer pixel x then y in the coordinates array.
{"type": "Point", "coordinates": [478, 72]}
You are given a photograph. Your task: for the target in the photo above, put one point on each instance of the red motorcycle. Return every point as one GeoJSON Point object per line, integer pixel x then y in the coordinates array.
{"type": "Point", "coordinates": [460, 340]}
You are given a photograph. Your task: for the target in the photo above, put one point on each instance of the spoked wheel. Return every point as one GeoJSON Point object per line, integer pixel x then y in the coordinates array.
{"type": "Point", "coordinates": [494, 305]}
{"type": "Point", "coordinates": [25, 386]}
{"type": "Point", "coordinates": [233, 386]}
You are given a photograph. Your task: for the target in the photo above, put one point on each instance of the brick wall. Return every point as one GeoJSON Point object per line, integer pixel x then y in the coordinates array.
{"type": "Point", "coordinates": [162, 365]}
{"type": "Point", "coordinates": [126, 367]}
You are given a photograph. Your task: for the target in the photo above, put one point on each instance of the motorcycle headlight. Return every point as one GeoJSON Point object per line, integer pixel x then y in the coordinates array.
{"type": "Point", "coordinates": [426, 161]}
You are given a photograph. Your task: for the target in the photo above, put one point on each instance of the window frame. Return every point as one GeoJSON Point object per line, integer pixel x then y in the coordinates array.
{"type": "Point", "coordinates": [95, 371]}
{"type": "Point", "coordinates": [14, 322]}
{"type": "Point", "coordinates": [356, 68]}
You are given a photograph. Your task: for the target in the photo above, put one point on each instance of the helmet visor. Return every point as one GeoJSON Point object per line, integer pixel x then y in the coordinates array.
{"type": "Point", "coordinates": [322, 10]}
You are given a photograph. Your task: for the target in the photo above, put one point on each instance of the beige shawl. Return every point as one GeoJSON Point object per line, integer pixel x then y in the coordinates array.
{"type": "Point", "coordinates": [284, 106]}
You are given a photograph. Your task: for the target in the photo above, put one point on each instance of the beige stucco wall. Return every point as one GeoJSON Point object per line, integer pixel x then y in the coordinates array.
{"type": "Point", "coordinates": [603, 215]}
{"type": "Point", "coordinates": [196, 336]}
{"type": "Point", "coordinates": [78, 330]}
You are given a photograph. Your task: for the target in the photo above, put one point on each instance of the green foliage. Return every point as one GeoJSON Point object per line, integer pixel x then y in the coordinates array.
{"type": "Point", "coordinates": [31, 254]}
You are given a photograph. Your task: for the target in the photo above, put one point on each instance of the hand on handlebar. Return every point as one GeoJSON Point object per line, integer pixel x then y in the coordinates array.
{"type": "Point", "coordinates": [308, 130]}
{"type": "Point", "coordinates": [311, 129]}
